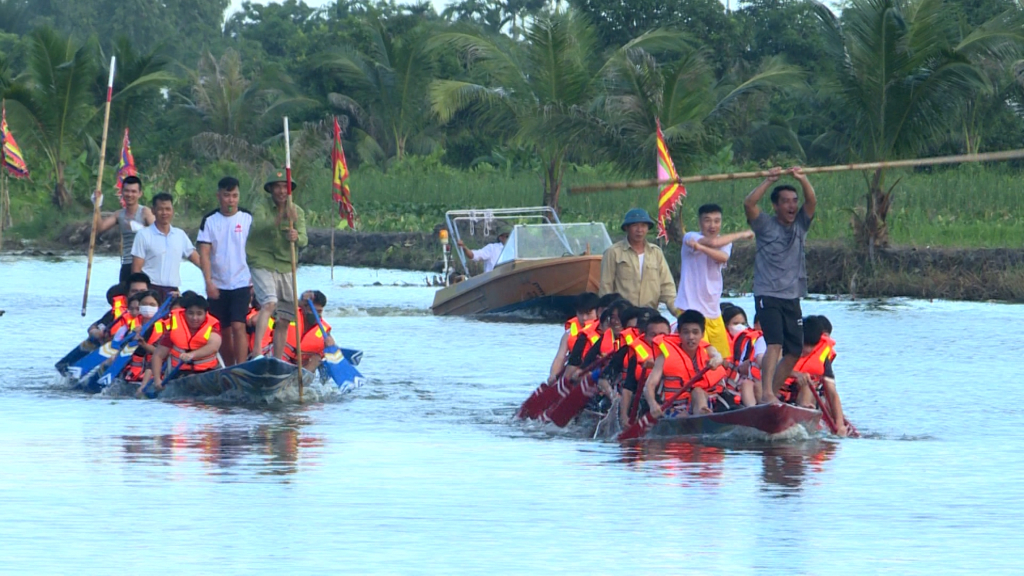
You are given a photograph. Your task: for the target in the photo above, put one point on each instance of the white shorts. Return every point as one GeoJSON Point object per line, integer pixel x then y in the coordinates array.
{"type": "Point", "coordinates": [274, 288]}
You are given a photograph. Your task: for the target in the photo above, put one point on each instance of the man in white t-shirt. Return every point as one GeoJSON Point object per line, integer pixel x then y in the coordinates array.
{"type": "Point", "coordinates": [489, 253]}
{"type": "Point", "coordinates": [221, 240]}
{"type": "Point", "coordinates": [159, 248]}
{"type": "Point", "coordinates": [704, 255]}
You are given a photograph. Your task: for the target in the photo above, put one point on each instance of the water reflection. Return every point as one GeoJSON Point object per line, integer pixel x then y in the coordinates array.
{"type": "Point", "coordinates": [784, 467]}
{"type": "Point", "coordinates": [269, 448]}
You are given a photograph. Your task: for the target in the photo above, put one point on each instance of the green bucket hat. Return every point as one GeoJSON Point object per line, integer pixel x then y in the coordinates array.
{"type": "Point", "coordinates": [278, 177]}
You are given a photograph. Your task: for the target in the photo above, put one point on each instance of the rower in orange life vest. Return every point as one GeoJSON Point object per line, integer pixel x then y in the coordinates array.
{"type": "Point", "coordinates": [640, 362]}
{"type": "Point", "coordinates": [117, 297]}
{"type": "Point", "coordinates": [192, 339]}
{"type": "Point", "coordinates": [138, 369]}
{"type": "Point", "coordinates": [678, 359]}
{"type": "Point", "coordinates": [814, 368]}
{"type": "Point", "coordinates": [748, 347]}
{"type": "Point", "coordinates": [586, 306]}
{"type": "Point", "coordinates": [588, 348]}
{"type": "Point", "coordinates": [313, 339]}
{"type": "Point", "coordinates": [617, 347]}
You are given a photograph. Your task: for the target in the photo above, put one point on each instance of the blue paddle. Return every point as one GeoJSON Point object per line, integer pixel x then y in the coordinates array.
{"type": "Point", "coordinates": [147, 388]}
{"type": "Point", "coordinates": [344, 374]}
{"type": "Point", "coordinates": [113, 348]}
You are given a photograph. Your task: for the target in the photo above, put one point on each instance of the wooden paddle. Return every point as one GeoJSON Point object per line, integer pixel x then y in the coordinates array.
{"type": "Point", "coordinates": [551, 391]}
{"type": "Point", "coordinates": [641, 426]}
{"type": "Point", "coordinates": [826, 413]}
{"type": "Point", "coordinates": [147, 388]}
{"type": "Point", "coordinates": [295, 255]}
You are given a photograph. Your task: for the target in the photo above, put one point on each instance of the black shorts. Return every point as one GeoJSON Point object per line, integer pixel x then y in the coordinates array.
{"type": "Point", "coordinates": [781, 322]}
{"type": "Point", "coordinates": [126, 271]}
{"type": "Point", "coordinates": [232, 306]}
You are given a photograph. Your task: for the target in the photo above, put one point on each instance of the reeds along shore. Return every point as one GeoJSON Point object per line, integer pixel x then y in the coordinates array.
{"type": "Point", "coordinates": [971, 206]}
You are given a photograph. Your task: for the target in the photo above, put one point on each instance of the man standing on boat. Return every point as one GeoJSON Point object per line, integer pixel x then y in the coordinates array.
{"type": "Point", "coordinates": [489, 253]}
{"type": "Point", "coordinates": [704, 255]}
{"type": "Point", "coordinates": [221, 244]}
{"type": "Point", "coordinates": [637, 269]}
{"type": "Point", "coordinates": [269, 255]}
{"type": "Point", "coordinates": [129, 220]}
{"type": "Point", "coordinates": [158, 249]}
{"type": "Point", "coordinates": [780, 274]}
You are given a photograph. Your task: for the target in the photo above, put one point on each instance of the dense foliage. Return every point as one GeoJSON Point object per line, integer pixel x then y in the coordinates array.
{"type": "Point", "coordinates": [514, 86]}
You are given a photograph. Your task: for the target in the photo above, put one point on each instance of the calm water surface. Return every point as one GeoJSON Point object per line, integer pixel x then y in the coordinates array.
{"type": "Point", "coordinates": [421, 471]}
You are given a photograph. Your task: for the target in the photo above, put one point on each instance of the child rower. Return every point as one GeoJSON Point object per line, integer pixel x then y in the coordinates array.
{"type": "Point", "coordinates": [747, 349]}
{"type": "Point", "coordinates": [586, 313]}
{"type": "Point", "coordinates": [678, 359]}
{"type": "Point", "coordinates": [313, 339]}
{"type": "Point", "coordinates": [641, 361]}
{"type": "Point", "coordinates": [192, 339]}
{"type": "Point", "coordinates": [814, 368]}
{"type": "Point", "coordinates": [138, 368]}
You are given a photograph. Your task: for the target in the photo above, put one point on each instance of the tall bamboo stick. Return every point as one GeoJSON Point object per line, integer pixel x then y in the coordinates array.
{"type": "Point", "coordinates": [98, 193]}
{"type": "Point", "coordinates": [295, 256]}
{"type": "Point", "coordinates": [962, 158]}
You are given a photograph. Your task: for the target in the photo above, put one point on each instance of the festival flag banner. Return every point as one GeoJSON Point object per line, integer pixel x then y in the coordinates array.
{"type": "Point", "coordinates": [126, 166]}
{"type": "Point", "coordinates": [341, 193]}
{"type": "Point", "coordinates": [10, 153]}
{"type": "Point", "coordinates": [672, 194]}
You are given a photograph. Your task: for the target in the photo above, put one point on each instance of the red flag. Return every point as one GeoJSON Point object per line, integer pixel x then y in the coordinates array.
{"type": "Point", "coordinates": [341, 193]}
{"type": "Point", "coordinates": [10, 153]}
{"type": "Point", "coordinates": [126, 166]}
{"type": "Point", "coordinates": [672, 194]}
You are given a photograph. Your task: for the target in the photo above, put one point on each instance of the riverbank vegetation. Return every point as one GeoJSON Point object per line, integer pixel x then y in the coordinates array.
{"type": "Point", "coordinates": [494, 103]}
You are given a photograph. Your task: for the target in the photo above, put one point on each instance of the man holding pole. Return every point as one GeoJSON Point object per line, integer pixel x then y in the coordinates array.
{"type": "Point", "coordinates": [780, 274]}
{"type": "Point", "coordinates": [268, 252]}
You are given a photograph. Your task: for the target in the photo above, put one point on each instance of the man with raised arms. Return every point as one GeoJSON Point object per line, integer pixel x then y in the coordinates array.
{"type": "Point", "coordinates": [780, 274]}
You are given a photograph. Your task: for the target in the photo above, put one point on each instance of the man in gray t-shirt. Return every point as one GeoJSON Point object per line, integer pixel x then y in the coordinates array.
{"type": "Point", "coordinates": [780, 274]}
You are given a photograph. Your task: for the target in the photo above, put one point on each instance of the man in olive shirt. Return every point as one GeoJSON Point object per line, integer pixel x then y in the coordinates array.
{"type": "Point", "coordinates": [268, 252]}
{"type": "Point", "coordinates": [637, 269]}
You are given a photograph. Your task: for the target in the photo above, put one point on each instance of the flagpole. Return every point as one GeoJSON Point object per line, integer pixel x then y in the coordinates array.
{"type": "Point", "coordinates": [333, 228]}
{"type": "Point", "coordinates": [5, 203]}
{"type": "Point", "coordinates": [295, 257]}
{"type": "Point", "coordinates": [98, 194]}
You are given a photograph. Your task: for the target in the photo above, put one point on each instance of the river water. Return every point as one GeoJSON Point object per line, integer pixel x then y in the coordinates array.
{"type": "Point", "coordinates": [422, 470]}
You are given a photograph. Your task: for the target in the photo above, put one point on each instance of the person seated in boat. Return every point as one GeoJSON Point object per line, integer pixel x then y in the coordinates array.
{"type": "Point", "coordinates": [138, 368]}
{"type": "Point", "coordinates": [191, 339]}
{"type": "Point", "coordinates": [118, 305]}
{"type": "Point", "coordinates": [313, 339]}
{"type": "Point", "coordinates": [639, 362]}
{"type": "Point", "coordinates": [814, 368]}
{"type": "Point", "coordinates": [617, 347]}
{"type": "Point", "coordinates": [588, 348]}
{"type": "Point", "coordinates": [678, 358]}
{"type": "Point", "coordinates": [128, 321]}
{"type": "Point", "coordinates": [586, 313]}
{"type": "Point", "coordinates": [489, 254]}
{"type": "Point", "coordinates": [748, 347]}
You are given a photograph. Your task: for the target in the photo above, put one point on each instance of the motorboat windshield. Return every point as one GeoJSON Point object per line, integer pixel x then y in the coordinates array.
{"type": "Point", "coordinates": [537, 241]}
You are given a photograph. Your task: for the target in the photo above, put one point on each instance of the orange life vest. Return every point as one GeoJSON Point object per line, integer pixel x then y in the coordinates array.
{"type": "Point", "coordinates": [812, 364]}
{"type": "Point", "coordinates": [184, 340]}
{"type": "Point", "coordinates": [120, 306]}
{"type": "Point", "coordinates": [268, 334]}
{"type": "Point", "coordinates": [137, 366]}
{"type": "Point", "coordinates": [743, 350]}
{"type": "Point", "coordinates": [126, 321]}
{"type": "Point", "coordinates": [592, 332]}
{"type": "Point", "coordinates": [679, 368]}
{"type": "Point", "coordinates": [312, 341]}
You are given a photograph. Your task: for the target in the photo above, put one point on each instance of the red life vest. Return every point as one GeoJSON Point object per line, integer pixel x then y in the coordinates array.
{"type": "Point", "coordinates": [127, 321]}
{"type": "Point", "coordinates": [312, 341]}
{"type": "Point", "coordinates": [120, 306]}
{"type": "Point", "coordinates": [137, 366]}
{"type": "Point", "coordinates": [184, 340]}
{"type": "Point", "coordinates": [573, 328]}
{"type": "Point", "coordinates": [743, 350]}
{"type": "Point", "coordinates": [642, 351]}
{"type": "Point", "coordinates": [812, 364]}
{"type": "Point", "coordinates": [592, 333]}
{"type": "Point", "coordinates": [679, 368]}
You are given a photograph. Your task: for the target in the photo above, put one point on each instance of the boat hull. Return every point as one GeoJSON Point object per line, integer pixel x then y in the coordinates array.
{"type": "Point", "coordinates": [764, 422]}
{"type": "Point", "coordinates": [260, 379]}
{"type": "Point", "coordinates": [542, 285]}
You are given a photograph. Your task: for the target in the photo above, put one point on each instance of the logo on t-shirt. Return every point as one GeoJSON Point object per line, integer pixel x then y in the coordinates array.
{"type": "Point", "coordinates": [238, 228]}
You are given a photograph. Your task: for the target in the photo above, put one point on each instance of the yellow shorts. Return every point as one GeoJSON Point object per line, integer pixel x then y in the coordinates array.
{"type": "Point", "coordinates": [715, 334]}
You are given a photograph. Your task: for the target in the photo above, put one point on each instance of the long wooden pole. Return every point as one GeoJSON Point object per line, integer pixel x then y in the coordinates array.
{"type": "Point", "coordinates": [97, 195]}
{"type": "Point", "coordinates": [295, 255]}
{"type": "Point", "coordinates": [333, 228]}
{"type": "Point", "coordinates": [963, 158]}
{"type": "Point", "coordinates": [4, 205]}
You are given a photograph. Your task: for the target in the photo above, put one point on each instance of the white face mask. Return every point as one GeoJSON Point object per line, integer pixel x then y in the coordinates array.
{"type": "Point", "coordinates": [735, 329]}
{"type": "Point", "coordinates": [148, 311]}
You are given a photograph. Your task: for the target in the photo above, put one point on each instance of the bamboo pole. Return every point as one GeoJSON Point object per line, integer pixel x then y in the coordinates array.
{"type": "Point", "coordinates": [5, 205]}
{"type": "Point", "coordinates": [962, 158]}
{"type": "Point", "coordinates": [97, 195]}
{"type": "Point", "coordinates": [295, 257]}
{"type": "Point", "coordinates": [333, 228]}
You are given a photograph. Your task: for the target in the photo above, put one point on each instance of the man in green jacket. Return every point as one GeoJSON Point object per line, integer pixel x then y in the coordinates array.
{"type": "Point", "coordinates": [269, 255]}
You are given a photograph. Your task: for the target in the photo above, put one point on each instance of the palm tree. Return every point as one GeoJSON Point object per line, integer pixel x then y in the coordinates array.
{"type": "Point", "coordinates": [234, 111]}
{"type": "Point", "coordinates": [147, 74]}
{"type": "Point", "coordinates": [541, 93]}
{"type": "Point", "coordinates": [904, 68]}
{"type": "Point", "coordinates": [685, 96]}
{"type": "Point", "coordinates": [386, 92]}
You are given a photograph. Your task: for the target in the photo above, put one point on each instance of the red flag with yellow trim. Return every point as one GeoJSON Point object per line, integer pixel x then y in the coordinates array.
{"type": "Point", "coordinates": [10, 153]}
{"type": "Point", "coordinates": [341, 193]}
{"type": "Point", "coordinates": [672, 194]}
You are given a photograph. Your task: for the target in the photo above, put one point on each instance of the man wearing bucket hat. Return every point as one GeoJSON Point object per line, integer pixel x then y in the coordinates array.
{"type": "Point", "coordinates": [637, 269]}
{"type": "Point", "coordinates": [268, 252]}
{"type": "Point", "coordinates": [489, 254]}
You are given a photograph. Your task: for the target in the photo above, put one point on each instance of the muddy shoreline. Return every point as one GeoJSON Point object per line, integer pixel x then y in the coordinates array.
{"type": "Point", "coordinates": [833, 269]}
